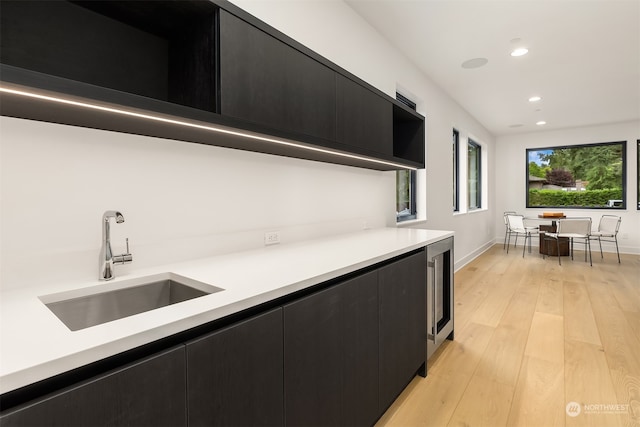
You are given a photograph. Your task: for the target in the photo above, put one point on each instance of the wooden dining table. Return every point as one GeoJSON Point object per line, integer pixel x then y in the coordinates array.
{"type": "Point", "coordinates": [548, 247]}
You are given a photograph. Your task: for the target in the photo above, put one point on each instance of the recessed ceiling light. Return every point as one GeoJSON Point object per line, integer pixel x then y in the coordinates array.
{"type": "Point", "coordinates": [541, 123]}
{"type": "Point", "coordinates": [535, 99]}
{"type": "Point", "coordinates": [519, 51]}
{"type": "Point", "coordinates": [474, 63]}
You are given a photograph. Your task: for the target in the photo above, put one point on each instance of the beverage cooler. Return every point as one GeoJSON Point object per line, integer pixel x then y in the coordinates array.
{"type": "Point", "coordinates": [439, 294]}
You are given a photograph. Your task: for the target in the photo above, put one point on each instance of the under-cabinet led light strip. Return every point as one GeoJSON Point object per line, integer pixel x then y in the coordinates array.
{"type": "Point", "coordinates": [197, 126]}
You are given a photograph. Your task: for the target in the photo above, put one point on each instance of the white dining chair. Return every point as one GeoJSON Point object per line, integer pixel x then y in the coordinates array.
{"type": "Point", "coordinates": [517, 228]}
{"type": "Point", "coordinates": [572, 229]}
{"type": "Point", "coordinates": [607, 229]}
{"type": "Point", "coordinates": [506, 226]}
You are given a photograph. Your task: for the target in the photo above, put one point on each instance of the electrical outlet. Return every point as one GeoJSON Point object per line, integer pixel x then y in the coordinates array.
{"type": "Point", "coordinates": [625, 236]}
{"type": "Point", "coordinates": [271, 238]}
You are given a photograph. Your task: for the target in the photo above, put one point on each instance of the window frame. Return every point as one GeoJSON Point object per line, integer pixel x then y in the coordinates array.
{"type": "Point", "coordinates": [638, 174]}
{"type": "Point", "coordinates": [456, 170]}
{"type": "Point", "coordinates": [471, 144]}
{"type": "Point", "coordinates": [413, 209]}
{"type": "Point", "coordinates": [623, 146]}
{"type": "Point", "coordinates": [412, 197]}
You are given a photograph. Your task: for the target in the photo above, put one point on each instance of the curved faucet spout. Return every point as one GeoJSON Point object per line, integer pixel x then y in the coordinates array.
{"type": "Point", "coordinates": [113, 214]}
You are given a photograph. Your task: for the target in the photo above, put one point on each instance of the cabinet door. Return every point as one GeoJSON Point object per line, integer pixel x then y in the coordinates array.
{"type": "Point", "coordinates": [330, 340]}
{"type": "Point", "coordinates": [266, 81]}
{"type": "Point", "coordinates": [235, 375]}
{"type": "Point", "coordinates": [364, 119]}
{"type": "Point", "coordinates": [361, 351]}
{"type": "Point", "coordinates": [147, 393]}
{"type": "Point", "coordinates": [403, 329]}
{"type": "Point", "coordinates": [314, 357]}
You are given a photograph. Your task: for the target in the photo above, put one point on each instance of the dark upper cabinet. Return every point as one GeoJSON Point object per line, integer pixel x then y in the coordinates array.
{"type": "Point", "coordinates": [208, 64]}
{"type": "Point", "coordinates": [403, 323]}
{"type": "Point", "coordinates": [159, 50]}
{"type": "Point", "coordinates": [364, 119]}
{"type": "Point", "coordinates": [266, 81]}
{"type": "Point", "coordinates": [330, 348]}
{"type": "Point", "coordinates": [150, 392]}
{"type": "Point", "coordinates": [235, 375]}
{"type": "Point", "coordinates": [408, 134]}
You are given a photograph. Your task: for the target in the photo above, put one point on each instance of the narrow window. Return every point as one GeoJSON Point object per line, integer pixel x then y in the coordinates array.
{"type": "Point", "coordinates": [405, 182]}
{"type": "Point", "coordinates": [405, 195]}
{"type": "Point", "coordinates": [456, 174]}
{"type": "Point", "coordinates": [474, 160]}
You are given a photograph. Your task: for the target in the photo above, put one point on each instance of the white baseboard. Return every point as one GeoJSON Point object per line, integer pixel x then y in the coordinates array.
{"type": "Point", "coordinates": [473, 255]}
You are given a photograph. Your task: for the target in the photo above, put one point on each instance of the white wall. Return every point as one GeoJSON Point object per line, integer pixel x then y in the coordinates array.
{"type": "Point", "coordinates": [184, 200]}
{"type": "Point", "coordinates": [511, 175]}
{"type": "Point", "coordinates": [179, 200]}
{"type": "Point", "coordinates": [337, 32]}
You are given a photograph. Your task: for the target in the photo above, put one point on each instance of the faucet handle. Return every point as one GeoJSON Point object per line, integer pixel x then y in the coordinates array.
{"type": "Point", "coordinates": [125, 258]}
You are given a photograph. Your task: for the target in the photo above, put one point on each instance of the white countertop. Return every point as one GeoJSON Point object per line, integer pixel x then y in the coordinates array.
{"type": "Point", "coordinates": [35, 344]}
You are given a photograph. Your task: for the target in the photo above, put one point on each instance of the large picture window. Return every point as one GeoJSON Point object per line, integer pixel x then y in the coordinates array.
{"type": "Point", "coordinates": [577, 176]}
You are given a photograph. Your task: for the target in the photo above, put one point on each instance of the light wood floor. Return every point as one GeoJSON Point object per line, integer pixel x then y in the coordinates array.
{"type": "Point", "coordinates": [530, 338]}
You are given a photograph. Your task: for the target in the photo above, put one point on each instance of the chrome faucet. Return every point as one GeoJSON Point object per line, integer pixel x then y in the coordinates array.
{"type": "Point", "coordinates": [107, 259]}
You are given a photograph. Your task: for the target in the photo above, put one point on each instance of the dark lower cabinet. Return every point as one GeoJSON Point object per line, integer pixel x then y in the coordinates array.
{"type": "Point", "coordinates": [330, 350]}
{"type": "Point", "coordinates": [403, 323]}
{"type": "Point", "coordinates": [235, 375]}
{"type": "Point", "coordinates": [336, 357]}
{"type": "Point", "coordinates": [313, 349]}
{"type": "Point", "coordinates": [150, 392]}
{"type": "Point", "coordinates": [361, 351]}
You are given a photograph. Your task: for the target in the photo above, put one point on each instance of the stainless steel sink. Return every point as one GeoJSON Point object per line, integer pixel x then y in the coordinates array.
{"type": "Point", "coordinates": [101, 306]}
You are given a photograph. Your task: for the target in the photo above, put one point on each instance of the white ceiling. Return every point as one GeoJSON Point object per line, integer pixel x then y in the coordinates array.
{"type": "Point", "coordinates": [583, 60]}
